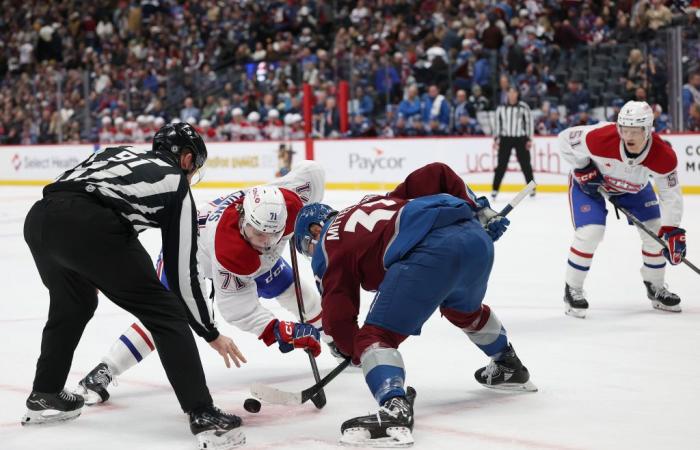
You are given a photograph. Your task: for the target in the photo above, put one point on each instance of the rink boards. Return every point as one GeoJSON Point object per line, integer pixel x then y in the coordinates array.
{"type": "Point", "coordinates": [364, 164]}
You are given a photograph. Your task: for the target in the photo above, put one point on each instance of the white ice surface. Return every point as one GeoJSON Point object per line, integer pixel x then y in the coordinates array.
{"type": "Point", "coordinates": [626, 377]}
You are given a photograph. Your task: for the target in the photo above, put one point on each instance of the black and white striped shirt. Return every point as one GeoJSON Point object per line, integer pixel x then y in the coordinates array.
{"type": "Point", "coordinates": [514, 120]}
{"type": "Point", "coordinates": [150, 192]}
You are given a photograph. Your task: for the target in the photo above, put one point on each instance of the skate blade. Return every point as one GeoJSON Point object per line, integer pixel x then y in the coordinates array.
{"type": "Point", "coordinates": [661, 307]}
{"type": "Point", "coordinates": [48, 416]}
{"type": "Point", "coordinates": [528, 386]}
{"type": "Point", "coordinates": [398, 437]}
{"type": "Point", "coordinates": [214, 440]}
{"type": "Point", "coordinates": [90, 397]}
{"type": "Point", "coordinates": [575, 312]}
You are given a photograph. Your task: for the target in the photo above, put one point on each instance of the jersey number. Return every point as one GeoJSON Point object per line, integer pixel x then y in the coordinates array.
{"type": "Point", "coordinates": [368, 221]}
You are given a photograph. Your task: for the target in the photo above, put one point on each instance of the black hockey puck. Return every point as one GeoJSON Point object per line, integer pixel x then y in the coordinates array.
{"type": "Point", "coordinates": [251, 405]}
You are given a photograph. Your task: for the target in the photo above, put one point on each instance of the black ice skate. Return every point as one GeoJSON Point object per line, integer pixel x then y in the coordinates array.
{"type": "Point", "coordinates": [663, 299]}
{"type": "Point", "coordinates": [575, 301]}
{"type": "Point", "coordinates": [50, 408]}
{"type": "Point", "coordinates": [390, 427]}
{"type": "Point", "coordinates": [216, 430]}
{"type": "Point", "coordinates": [93, 388]}
{"type": "Point", "coordinates": [506, 373]}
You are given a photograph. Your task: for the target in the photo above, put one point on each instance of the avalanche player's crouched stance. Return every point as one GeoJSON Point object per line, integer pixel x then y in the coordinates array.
{"type": "Point", "coordinates": [620, 159]}
{"type": "Point", "coordinates": [434, 251]}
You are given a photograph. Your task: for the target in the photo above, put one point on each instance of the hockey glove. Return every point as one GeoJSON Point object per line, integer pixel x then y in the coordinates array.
{"type": "Point", "coordinates": [494, 224]}
{"type": "Point", "coordinates": [291, 335]}
{"type": "Point", "coordinates": [675, 237]}
{"type": "Point", "coordinates": [589, 179]}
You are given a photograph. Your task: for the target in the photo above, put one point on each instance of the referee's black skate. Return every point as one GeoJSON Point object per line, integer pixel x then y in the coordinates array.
{"type": "Point", "coordinates": [45, 408]}
{"type": "Point", "coordinates": [389, 427]}
{"type": "Point", "coordinates": [93, 388]}
{"type": "Point", "coordinates": [215, 429]}
{"type": "Point", "coordinates": [663, 299]}
{"type": "Point", "coordinates": [575, 302]}
{"type": "Point", "coordinates": [506, 373]}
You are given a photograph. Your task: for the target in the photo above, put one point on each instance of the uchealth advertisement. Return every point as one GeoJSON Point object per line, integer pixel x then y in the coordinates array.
{"type": "Point", "coordinates": [365, 164]}
{"type": "Point", "coordinates": [383, 163]}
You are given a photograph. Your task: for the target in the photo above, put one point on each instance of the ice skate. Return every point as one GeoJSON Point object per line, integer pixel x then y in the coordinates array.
{"type": "Point", "coordinates": [663, 299]}
{"type": "Point", "coordinates": [507, 373]}
{"type": "Point", "coordinates": [216, 430]}
{"type": "Point", "coordinates": [51, 408]}
{"type": "Point", "coordinates": [575, 302]}
{"type": "Point", "coordinates": [390, 427]}
{"type": "Point", "coordinates": [93, 388]}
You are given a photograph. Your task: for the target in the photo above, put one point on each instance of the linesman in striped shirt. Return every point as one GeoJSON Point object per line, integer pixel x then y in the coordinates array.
{"type": "Point", "coordinates": [513, 129]}
{"type": "Point", "coordinates": [83, 236]}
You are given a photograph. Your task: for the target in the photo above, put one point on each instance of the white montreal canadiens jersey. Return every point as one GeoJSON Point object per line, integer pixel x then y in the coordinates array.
{"type": "Point", "coordinates": [601, 144]}
{"type": "Point", "coordinates": [232, 264]}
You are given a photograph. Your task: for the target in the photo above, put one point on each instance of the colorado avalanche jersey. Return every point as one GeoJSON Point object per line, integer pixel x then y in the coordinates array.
{"type": "Point", "coordinates": [601, 144]}
{"type": "Point", "coordinates": [232, 264]}
{"type": "Point", "coordinates": [363, 240]}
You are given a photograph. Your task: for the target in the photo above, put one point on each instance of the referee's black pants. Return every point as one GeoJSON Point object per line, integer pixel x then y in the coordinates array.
{"type": "Point", "coordinates": [80, 246]}
{"type": "Point", "coordinates": [505, 148]}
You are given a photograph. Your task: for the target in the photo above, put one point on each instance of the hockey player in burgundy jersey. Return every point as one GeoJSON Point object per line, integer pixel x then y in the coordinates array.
{"type": "Point", "coordinates": [426, 245]}
{"type": "Point", "coordinates": [242, 268]}
{"type": "Point", "coordinates": [619, 159]}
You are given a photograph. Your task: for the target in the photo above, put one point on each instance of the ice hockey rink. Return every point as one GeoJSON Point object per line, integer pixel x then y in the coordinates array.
{"type": "Point", "coordinates": [626, 377]}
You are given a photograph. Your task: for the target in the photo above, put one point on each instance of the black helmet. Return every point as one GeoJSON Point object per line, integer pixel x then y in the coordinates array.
{"type": "Point", "coordinates": [175, 137]}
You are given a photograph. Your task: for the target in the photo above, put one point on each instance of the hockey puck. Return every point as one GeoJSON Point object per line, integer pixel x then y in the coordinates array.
{"type": "Point", "coordinates": [251, 405]}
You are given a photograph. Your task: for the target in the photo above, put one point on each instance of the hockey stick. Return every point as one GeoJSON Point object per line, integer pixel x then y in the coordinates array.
{"type": "Point", "coordinates": [276, 396]}
{"type": "Point", "coordinates": [518, 198]}
{"type": "Point", "coordinates": [318, 400]}
{"type": "Point", "coordinates": [644, 228]}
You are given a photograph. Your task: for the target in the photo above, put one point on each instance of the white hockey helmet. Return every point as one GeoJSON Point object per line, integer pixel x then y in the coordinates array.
{"type": "Point", "coordinates": [636, 114]}
{"type": "Point", "coordinates": [264, 217]}
{"type": "Point", "coordinates": [254, 117]}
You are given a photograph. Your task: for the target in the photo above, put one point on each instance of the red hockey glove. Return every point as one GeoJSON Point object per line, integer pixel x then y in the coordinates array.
{"type": "Point", "coordinates": [675, 237]}
{"type": "Point", "coordinates": [589, 179]}
{"type": "Point", "coordinates": [291, 335]}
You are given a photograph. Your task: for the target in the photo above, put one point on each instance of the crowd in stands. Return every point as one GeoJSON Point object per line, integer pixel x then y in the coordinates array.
{"type": "Point", "coordinates": [116, 70]}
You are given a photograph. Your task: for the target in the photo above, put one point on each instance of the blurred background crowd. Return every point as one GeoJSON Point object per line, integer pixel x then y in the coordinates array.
{"type": "Point", "coordinates": [115, 70]}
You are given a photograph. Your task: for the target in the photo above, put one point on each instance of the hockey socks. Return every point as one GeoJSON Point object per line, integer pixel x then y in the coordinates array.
{"type": "Point", "coordinates": [132, 346]}
{"type": "Point", "coordinates": [482, 327]}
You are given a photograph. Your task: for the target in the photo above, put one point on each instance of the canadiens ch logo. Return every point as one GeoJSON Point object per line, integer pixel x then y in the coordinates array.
{"type": "Point", "coordinates": [585, 208]}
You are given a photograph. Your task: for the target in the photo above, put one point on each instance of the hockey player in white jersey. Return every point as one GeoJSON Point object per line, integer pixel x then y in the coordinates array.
{"type": "Point", "coordinates": [619, 159]}
{"type": "Point", "coordinates": [242, 237]}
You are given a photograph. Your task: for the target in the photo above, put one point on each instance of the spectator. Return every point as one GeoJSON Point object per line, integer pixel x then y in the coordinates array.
{"type": "Point", "coordinates": [361, 127]}
{"type": "Point", "coordinates": [189, 110]}
{"type": "Point", "coordinates": [361, 104]}
{"type": "Point", "coordinates": [577, 98]}
{"type": "Point", "coordinates": [691, 93]}
{"type": "Point", "coordinates": [460, 108]}
{"type": "Point", "coordinates": [550, 124]}
{"type": "Point", "coordinates": [661, 120]}
{"type": "Point", "coordinates": [467, 126]}
{"type": "Point", "coordinates": [658, 15]}
{"type": "Point", "coordinates": [436, 108]}
{"type": "Point", "coordinates": [477, 102]}
{"type": "Point", "coordinates": [330, 119]}
{"type": "Point", "coordinates": [492, 37]}
{"type": "Point", "coordinates": [410, 106]}
{"type": "Point", "coordinates": [694, 119]}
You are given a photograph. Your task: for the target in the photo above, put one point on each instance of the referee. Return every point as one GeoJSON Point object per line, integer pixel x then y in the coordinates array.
{"type": "Point", "coordinates": [514, 128]}
{"type": "Point", "coordinates": [83, 237]}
